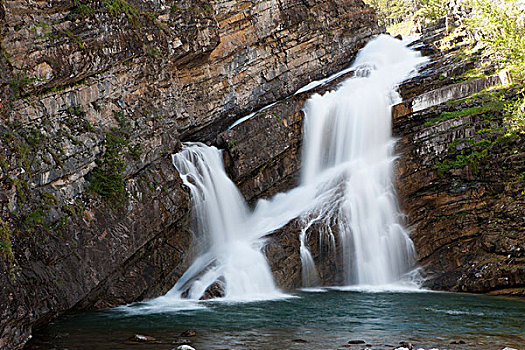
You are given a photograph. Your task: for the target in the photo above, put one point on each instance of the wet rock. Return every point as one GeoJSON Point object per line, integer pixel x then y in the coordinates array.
{"type": "Point", "coordinates": [405, 345]}
{"type": "Point", "coordinates": [216, 290]}
{"type": "Point", "coordinates": [356, 341]}
{"type": "Point", "coordinates": [189, 333]}
{"type": "Point", "coordinates": [457, 342]}
{"type": "Point", "coordinates": [184, 347]}
{"type": "Point", "coordinates": [301, 341]}
{"type": "Point", "coordinates": [465, 219]}
{"type": "Point", "coordinates": [140, 338]}
{"type": "Point", "coordinates": [283, 255]}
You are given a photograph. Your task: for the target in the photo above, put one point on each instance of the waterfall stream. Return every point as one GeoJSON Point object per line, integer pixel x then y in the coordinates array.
{"type": "Point", "coordinates": [350, 130]}
{"type": "Point", "coordinates": [234, 258]}
{"type": "Point", "coordinates": [346, 189]}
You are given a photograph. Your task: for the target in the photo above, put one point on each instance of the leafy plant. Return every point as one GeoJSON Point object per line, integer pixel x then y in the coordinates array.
{"type": "Point", "coordinates": [81, 8]}
{"type": "Point", "coordinates": [116, 7]}
{"type": "Point", "coordinates": [107, 179]}
{"type": "Point", "coordinates": [500, 27]}
{"type": "Point", "coordinates": [432, 9]}
{"type": "Point", "coordinates": [19, 84]}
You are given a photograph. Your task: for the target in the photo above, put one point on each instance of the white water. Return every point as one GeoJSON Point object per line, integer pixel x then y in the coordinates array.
{"type": "Point", "coordinates": [346, 191]}
{"type": "Point", "coordinates": [350, 129]}
{"type": "Point", "coordinates": [233, 258]}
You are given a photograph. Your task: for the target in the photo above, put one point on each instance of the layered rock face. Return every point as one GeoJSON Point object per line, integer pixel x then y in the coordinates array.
{"type": "Point", "coordinates": [461, 183]}
{"type": "Point", "coordinates": [96, 95]}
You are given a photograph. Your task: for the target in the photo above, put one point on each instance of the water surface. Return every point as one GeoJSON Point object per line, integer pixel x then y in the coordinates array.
{"type": "Point", "coordinates": [326, 319]}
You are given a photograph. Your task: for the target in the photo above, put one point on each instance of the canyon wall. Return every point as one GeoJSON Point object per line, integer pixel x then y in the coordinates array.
{"type": "Point", "coordinates": [97, 95]}
{"type": "Point", "coordinates": [460, 180]}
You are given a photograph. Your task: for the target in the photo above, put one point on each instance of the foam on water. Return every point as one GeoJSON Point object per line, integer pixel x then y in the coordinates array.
{"type": "Point", "coordinates": [405, 287]}
{"type": "Point", "coordinates": [163, 304]}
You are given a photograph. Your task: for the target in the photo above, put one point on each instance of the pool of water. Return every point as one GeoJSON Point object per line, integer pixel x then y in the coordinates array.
{"type": "Point", "coordinates": [324, 319]}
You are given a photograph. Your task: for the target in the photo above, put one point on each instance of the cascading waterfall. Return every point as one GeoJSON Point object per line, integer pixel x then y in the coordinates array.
{"type": "Point", "coordinates": [346, 187]}
{"type": "Point", "coordinates": [350, 130]}
{"type": "Point", "coordinates": [234, 257]}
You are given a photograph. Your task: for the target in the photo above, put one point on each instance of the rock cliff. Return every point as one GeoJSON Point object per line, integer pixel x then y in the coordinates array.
{"type": "Point", "coordinates": [95, 97]}
{"type": "Point", "coordinates": [460, 180]}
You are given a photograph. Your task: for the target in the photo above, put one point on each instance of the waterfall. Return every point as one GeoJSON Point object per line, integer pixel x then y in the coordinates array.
{"type": "Point", "coordinates": [346, 190]}
{"type": "Point", "coordinates": [349, 131]}
{"type": "Point", "coordinates": [233, 257]}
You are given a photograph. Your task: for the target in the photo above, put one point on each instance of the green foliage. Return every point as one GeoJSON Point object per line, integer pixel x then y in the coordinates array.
{"type": "Point", "coordinates": [23, 154]}
{"type": "Point", "coordinates": [22, 190]}
{"type": "Point", "coordinates": [19, 84]}
{"type": "Point", "coordinates": [515, 113]}
{"type": "Point", "coordinates": [152, 51]}
{"type": "Point", "coordinates": [107, 179]}
{"type": "Point", "coordinates": [481, 144]}
{"type": "Point", "coordinates": [136, 151]}
{"type": "Point", "coordinates": [5, 241]}
{"type": "Point", "coordinates": [398, 15]}
{"type": "Point", "coordinates": [33, 137]}
{"type": "Point", "coordinates": [48, 199]}
{"type": "Point", "coordinates": [432, 10]}
{"type": "Point", "coordinates": [207, 8]}
{"type": "Point", "coordinates": [35, 220]}
{"type": "Point", "coordinates": [76, 39]}
{"type": "Point", "coordinates": [6, 247]}
{"type": "Point", "coordinates": [81, 8]}
{"type": "Point", "coordinates": [491, 102]}
{"type": "Point", "coordinates": [500, 27]}
{"type": "Point", "coordinates": [116, 7]}
{"type": "Point", "coordinates": [458, 114]}
{"type": "Point", "coordinates": [471, 156]}
{"type": "Point", "coordinates": [6, 56]}
{"type": "Point", "coordinates": [76, 111]}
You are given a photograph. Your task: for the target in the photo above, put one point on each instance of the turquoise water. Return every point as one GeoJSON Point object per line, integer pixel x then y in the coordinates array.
{"type": "Point", "coordinates": [308, 320]}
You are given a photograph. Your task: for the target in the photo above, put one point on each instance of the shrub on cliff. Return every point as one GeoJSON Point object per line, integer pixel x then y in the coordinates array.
{"type": "Point", "coordinates": [500, 27]}
{"type": "Point", "coordinates": [107, 179]}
